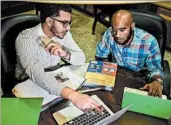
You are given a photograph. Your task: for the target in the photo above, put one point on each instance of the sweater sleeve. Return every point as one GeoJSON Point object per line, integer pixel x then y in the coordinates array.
{"type": "Point", "coordinates": [77, 55]}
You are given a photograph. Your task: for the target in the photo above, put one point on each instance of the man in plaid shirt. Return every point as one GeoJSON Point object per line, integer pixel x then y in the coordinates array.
{"type": "Point", "coordinates": [133, 48]}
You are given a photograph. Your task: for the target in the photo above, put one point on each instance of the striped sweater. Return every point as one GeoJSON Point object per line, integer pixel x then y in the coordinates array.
{"type": "Point", "coordinates": [33, 58]}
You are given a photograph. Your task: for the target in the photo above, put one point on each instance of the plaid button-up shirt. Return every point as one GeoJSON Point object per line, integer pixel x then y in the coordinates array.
{"type": "Point", "coordinates": [142, 52]}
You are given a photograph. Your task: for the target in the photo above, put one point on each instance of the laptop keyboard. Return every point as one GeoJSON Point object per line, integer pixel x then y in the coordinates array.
{"type": "Point", "coordinates": [89, 118]}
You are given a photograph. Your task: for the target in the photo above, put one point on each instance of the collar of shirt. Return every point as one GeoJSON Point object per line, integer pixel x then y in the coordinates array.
{"type": "Point", "coordinates": [41, 33]}
{"type": "Point", "coordinates": [55, 39]}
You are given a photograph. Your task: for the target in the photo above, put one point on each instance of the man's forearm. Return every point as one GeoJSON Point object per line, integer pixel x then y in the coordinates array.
{"type": "Point", "coordinates": [67, 93]}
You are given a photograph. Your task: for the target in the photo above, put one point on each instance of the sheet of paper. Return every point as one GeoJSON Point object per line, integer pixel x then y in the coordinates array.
{"type": "Point", "coordinates": [30, 89]}
{"type": "Point", "coordinates": [73, 80]}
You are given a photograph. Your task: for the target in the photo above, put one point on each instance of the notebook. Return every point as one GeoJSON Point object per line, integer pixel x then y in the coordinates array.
{"type": "Point", "coordinates": [20, 111]}
{"type": "Point", "coordinates": [71, 115]}
{"type": "Point", "coordinates": [144, 104]}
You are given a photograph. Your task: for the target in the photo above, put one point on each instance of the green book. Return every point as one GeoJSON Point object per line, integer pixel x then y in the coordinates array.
{"type": "Point", "coordinates": [142, 103]}
{"type": "Point", "coordinates": [20, 111]}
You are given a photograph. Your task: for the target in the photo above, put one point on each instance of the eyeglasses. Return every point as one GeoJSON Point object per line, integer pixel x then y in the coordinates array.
{"type": "Point", "coordinates": [65, 23]}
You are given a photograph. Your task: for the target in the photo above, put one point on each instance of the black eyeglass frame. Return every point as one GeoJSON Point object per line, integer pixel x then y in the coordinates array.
{"type": "Point", "coordinates": [64, 22]}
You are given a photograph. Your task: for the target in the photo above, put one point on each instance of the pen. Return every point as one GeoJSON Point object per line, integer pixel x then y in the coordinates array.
{"type": "Point", "coordinates": [81, 84]}
{"type": "Point", "coordinates": [89, 90]}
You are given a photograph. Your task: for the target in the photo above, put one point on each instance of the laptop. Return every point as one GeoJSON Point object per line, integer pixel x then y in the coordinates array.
{"type": "Point", "coordinates": [20, 111]}
{"type": "Point", "coordinates": [71, 115]}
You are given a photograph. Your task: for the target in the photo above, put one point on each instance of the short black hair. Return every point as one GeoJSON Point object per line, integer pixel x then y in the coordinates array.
{"type": "Point", "coordinates": [48, 10]}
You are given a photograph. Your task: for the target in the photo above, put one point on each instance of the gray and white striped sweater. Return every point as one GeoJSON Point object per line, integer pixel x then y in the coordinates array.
{"type": "Point", "coordinates": [34, 58]}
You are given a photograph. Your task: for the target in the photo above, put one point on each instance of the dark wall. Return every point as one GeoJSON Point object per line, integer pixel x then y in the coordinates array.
{"type": "Point", "coordinates": [14, 7]}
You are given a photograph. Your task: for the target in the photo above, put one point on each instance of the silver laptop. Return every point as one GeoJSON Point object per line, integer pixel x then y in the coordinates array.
{"type": "Point", "coordinates": [71, 115]}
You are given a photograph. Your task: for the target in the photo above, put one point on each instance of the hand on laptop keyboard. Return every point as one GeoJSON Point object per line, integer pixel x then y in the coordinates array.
{"type": "Point", "coordinates": [84, 102]}
{"type": "Point", "coordinates": [89, 118]}
{"type": "Point", "coordinates": [95, 110]}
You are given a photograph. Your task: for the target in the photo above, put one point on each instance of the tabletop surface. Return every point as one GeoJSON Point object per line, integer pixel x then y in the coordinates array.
{"type": "Point", "coordinates": [165, 4]}
{"type": "Point", "coordinates": [94, 1]}
{"type": "Point", "coordinates": [113, 101]}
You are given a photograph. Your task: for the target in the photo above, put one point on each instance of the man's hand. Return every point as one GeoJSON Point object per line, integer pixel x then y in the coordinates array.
{"type": "Point", "coordinates": [154, 89]}
{"type": "Point", "coordinates": [56, 49]}
{"type": "Point", "coordinates": [84, 102]}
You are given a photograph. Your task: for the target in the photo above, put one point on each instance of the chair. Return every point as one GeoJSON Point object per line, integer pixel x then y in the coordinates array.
{"type": "Point", "coordinates": [11, 27]}
{"type": "Point", "coordinates": [14, 7]}
{"type": "Point", "coordinates": [108, 10]}
{"type": "Point", "coordinates": [156, 26]}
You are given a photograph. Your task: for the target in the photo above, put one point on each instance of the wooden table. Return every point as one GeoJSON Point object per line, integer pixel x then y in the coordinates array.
{"type": "Point", "coordinates": [113, 101]}
{"type": "Point", "coordinates": [164, 10]}
{"type": "Point", "coordinates": [93, 1]}
{"type": "Point", "coordinates": [166, 4]}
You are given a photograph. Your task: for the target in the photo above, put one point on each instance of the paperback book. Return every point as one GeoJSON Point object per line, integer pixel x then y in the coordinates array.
{"type": "Point", "coordinates": [101, 74]}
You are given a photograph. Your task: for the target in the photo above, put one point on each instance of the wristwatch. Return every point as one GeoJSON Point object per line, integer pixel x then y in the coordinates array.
{"type": "Point", "coordinates": [67, 54]}
{"type": "Point", "coordinates": [159, 81]}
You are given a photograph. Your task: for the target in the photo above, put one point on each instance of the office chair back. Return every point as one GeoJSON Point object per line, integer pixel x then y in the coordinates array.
{"type": "Point", "coordinates": [11, 27]}
{"type": "Point", "coordinates": [153, 24]}
{"type": "Point", "coordinates": [156, 26]}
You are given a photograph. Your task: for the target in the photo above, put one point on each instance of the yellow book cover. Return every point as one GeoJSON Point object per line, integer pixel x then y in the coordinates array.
{"type": "Point", "coordinates": [101, 73]}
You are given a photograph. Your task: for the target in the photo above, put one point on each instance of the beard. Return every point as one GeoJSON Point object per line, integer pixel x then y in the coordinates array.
{"type": "Point", "coordinates": [58, 34]}
{"type": "Point", "coordinates": [121, 41]}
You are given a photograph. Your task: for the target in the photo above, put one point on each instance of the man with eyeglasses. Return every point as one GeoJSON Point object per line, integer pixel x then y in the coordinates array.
{"type": "Point", "coordinates": [132, 48]}
{"type": "Point", "coordinates": [55, 25]}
